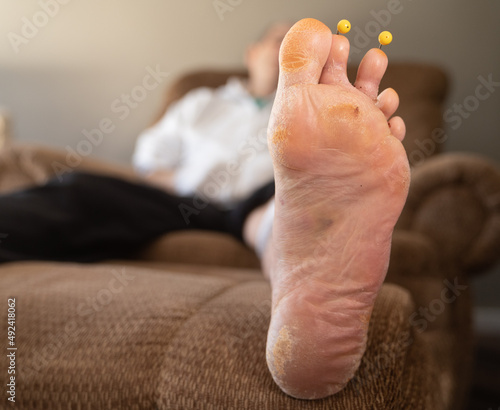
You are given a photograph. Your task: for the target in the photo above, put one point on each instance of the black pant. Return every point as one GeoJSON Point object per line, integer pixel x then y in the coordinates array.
{"type": "Point", "coordinates": [85, 218]}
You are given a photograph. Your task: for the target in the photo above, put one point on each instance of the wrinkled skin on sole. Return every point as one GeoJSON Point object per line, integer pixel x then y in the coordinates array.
{"type": "Point", "coordinates": [342, 178]}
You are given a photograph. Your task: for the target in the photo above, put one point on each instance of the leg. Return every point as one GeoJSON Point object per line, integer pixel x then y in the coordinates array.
{"type": "Point", "coordinates": [86, 217]}
{"type": "Point", "coordinates": [257, 234]}
{"type": "Point", "coordinates": [237, 220]}
{"type": "Point", "coordinates": [342, 177]}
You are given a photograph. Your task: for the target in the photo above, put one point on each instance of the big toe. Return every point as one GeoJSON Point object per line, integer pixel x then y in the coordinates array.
{"type": "Point", "coordinates": [304, 52]}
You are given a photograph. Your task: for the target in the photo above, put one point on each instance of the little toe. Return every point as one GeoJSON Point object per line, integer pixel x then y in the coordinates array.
{"type": "Point", "coordinates": [398, 128]}
{"type": "Point", "coordinates": [335, 69]}
{"type": "Point", "coordinates": [388, 102]}
{"type": "Point", "coordinates": [304, 52]}
{"type": "Point", "coordinates": [370, 72]}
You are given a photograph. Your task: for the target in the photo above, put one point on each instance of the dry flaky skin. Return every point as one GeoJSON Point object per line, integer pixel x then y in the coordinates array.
{"type": "Point", "coordinates": [294, 55]}
{"type": "Point", "coordinates": [282, 351]}
{"type": "Point", "coordinates": [341, 182]}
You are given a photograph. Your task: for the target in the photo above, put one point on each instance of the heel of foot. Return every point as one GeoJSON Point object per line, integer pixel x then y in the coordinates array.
{"type": "Point", "coordinates": [308, 355]}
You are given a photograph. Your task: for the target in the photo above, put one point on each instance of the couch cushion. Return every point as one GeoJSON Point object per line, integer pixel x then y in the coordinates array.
{"type": "Point", "coordinates": [200, 247]}
{"type": "Point", "coordinates": [118, 336]}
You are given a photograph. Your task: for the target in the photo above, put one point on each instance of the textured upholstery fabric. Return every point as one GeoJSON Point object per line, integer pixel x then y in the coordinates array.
{"type": "Point", "coordinates": [184, 324]}
{"type": "Point", "coordinates": [138, 337]}
{"type": "Point", "coordinates": [22, 166]}
{"type": "Point", "coordinates": [461, 192]}
{"type": "Point", "coordinates": [212, 249]}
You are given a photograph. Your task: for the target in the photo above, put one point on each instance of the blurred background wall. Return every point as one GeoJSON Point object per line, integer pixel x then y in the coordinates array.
{"type": "Point", "coordinates": [67, 65]}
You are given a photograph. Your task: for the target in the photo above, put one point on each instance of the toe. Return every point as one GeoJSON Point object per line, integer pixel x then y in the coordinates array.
{"type": "Point", "coordinates": [388, 102]}
{"type": "Point", "coordinates": [370, 72]}
{"type": "Point", "coordinates": [335, 68]}
{"type": "Point", "coordinates": [304, 52]}
{"type": "Point", "coordinates": [398, 128]}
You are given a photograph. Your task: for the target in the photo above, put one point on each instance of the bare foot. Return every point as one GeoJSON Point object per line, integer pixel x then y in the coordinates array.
{"type": "Point", "coordinates": [342, 179]}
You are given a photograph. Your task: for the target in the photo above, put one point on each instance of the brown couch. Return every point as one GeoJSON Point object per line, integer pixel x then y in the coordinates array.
{"type": "Point", "coordinates": [182, 324]}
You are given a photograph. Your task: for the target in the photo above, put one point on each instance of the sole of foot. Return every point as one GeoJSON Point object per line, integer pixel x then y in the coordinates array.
{"type": "Point", "coordinates": [342, 178]}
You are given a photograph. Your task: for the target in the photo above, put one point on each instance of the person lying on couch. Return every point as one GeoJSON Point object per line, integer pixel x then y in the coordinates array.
{"type": "Point", "coordinates": [208, 132]}
{"type": "Point", "coordinates": [323, 229]}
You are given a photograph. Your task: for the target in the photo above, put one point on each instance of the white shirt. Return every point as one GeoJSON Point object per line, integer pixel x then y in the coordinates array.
{"type": "Point", "coordinates": [215, 140]}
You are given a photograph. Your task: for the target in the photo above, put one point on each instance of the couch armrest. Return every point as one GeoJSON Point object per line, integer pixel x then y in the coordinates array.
{"type": "Point", "coordinates": [454, 200]}
{"type": "Point", "coordinates": [24, 165]}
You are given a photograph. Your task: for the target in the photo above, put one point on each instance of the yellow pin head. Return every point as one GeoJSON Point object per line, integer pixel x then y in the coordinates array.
{"type": "Point", "coordinates": [384, 38]}
{"type": "Point", "coordinates": [343, 26]}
